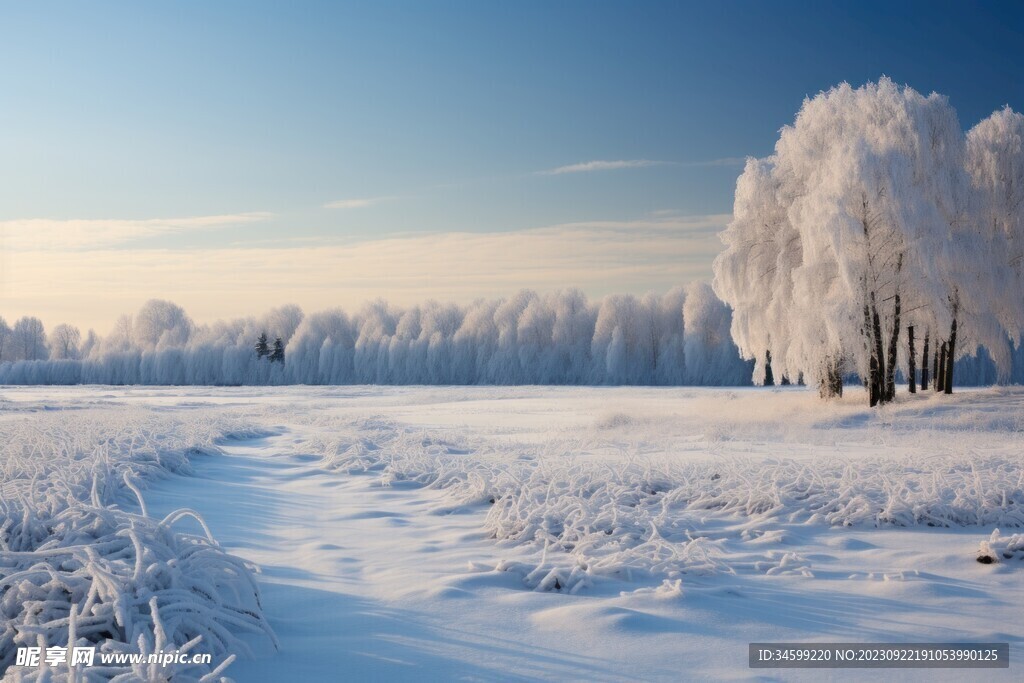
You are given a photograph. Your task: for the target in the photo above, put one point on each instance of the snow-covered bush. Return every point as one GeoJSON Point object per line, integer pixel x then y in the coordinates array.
{"type": "Point", "coordinates": [999, 548]}
{"type": "Point", "coordinates": [78, 569]}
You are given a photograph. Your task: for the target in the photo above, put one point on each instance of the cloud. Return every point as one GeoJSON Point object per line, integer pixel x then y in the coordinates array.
{"type": "Point", "coordinates": [355, 203]}
{"type": "Point", "coordinates": [600, 257]}
{"type": "Point", "coordinates": [588, 166]}
{"type": "Point", "coordinates": [47, 234]}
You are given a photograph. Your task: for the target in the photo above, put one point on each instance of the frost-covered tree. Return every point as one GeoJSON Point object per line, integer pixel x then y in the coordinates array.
{"type": "Point", "coordinates": [534, 339]}
{"type": "Point", "coordinates": [571, 335]}
{"type": "Point", "coordinates": [616, 344]}
{"type": "Point", "coordinates": [475, 343]}
{"type": "Point", "coordinates": [709, 353]}
{"type": "Point", "coordinates": [376, 323]}
{"type": "Point", "coordinates": [753, 274]}
{"type": "Point", "coordinates": [862, 225]}
{"type": "Point", "coordinates": [262, 347]}
{"type": "Point", "coordinates": [277, 355]}
{"type": "Point", "coordinates": [89, 344]}
{"type": "Point", "coordinates": [505, 364]}
{"type": "Point", "coordinates": [64, 341]}
{"type": "Point", "coordinates": [5, 335]}
{"type": "Point", "coordinates": [853, 161]}
{"type": "Point", "coordinates": [282, 322]}
{"type": "Point", "coordinates": [995, 161]}
{"type": "Point", "coordinates": [161, 324]}
{"type": "Point", "coordinates": [666, 337]}
{"type": "Point", "coordinates": [321, 350]}
{"type": "Point", "coordinates": [120, 338]}
{"type": "Point", "coordinates": [28, 339]}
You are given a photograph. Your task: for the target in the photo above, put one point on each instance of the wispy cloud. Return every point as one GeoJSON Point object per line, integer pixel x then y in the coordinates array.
{"type": "Point", "coordinates": [80, 234]}
{"type": "Point", "coordinates": [589, 166]}
{"type": "Point", "coordinates": [600, 257]}
{"type": "Point", "coordinates": [356, 203]}
{"type": "Point", "coordinates": [724, 161]}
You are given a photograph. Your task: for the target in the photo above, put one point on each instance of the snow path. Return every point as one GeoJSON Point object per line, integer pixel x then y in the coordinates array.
{"type": "Point", "coordinates": [282, 513]}
{"type": "Point", "coordinates": [331, 593]}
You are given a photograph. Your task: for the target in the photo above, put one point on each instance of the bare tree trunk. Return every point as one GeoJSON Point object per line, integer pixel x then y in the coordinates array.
{"type": "Point", "coordinates": [873, 383]}
{"type": "Point", "coordinates": [950, 355]}
{"type": "Point", "coordinates": [911, 361]}
{"type": "Point", "coordinates": [769, 376]}
{"type": "Point", "coordinates": [869, 347]}
{"type": "Point", "coordinates": [878, 362]}
{"type": "Point", "coordinates": [894, 338]}
{"type": "Point", "coordinates": [935, 367]}
{"type": "Point", "coordinates": [890, 362]}
{"type": "Point", "coordinates": [924, 362]}
{"type": "Point", "coordinates": [940, 380]}
{"type": "Point", "coordinates": [835, 377]}
{"type": "Point", "coordinates": [832, 384]}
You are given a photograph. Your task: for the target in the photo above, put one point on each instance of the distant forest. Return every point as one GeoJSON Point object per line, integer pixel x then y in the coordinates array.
{"type": "Point", "coordinates": [678, 338]}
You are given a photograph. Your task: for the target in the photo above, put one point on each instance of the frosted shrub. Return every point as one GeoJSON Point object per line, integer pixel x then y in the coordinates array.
{"type": "Point", "coordinates": [76, 568]}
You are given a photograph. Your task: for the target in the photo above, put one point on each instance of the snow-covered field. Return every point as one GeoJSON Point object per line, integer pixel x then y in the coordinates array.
{"type": "Point", "coordinates": [429, 533]}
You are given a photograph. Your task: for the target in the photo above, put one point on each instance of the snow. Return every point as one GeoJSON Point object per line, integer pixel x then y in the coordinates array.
{"type": "Point", "coordinates": [634, 533]}
{"type": "Point", "coordinates": [76, 568]}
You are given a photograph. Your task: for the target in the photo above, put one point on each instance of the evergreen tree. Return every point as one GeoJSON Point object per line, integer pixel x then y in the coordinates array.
{"type": "Point", "coordinates": [262, 348]}
{"type": "Point", "coordinates": [278, 355]}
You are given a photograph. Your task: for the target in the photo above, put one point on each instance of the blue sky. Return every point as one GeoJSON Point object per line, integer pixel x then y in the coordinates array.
{"type": "Point", "coordinates": [180, 149]}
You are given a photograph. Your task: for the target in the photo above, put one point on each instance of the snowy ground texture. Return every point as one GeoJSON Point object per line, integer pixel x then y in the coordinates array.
{"type": "Point", "coordinates": [427, 533]}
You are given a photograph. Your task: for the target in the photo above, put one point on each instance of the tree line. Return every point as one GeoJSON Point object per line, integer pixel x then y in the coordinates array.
{"type": "Point", "coordinates": [680, 337]}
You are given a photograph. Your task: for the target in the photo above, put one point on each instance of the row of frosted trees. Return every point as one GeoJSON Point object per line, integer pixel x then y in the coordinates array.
{"type": "Point", "coordinates": [878, 239]}
{"type": "Point", "coordinates": [681, 337]}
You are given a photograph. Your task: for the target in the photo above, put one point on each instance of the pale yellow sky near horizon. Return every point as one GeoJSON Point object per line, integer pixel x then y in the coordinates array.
{"type": "Point", "coordinates": [88, 273]}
